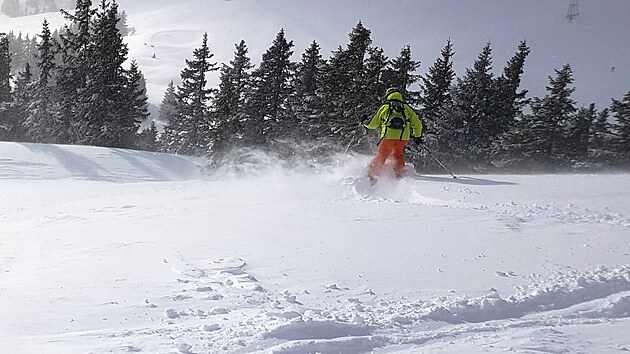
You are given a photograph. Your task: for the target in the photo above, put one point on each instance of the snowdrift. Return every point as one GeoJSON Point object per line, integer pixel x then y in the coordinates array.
{"type": "Point", "coordinates": [21, 161]}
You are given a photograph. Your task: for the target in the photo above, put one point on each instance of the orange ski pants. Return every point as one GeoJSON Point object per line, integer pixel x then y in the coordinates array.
{"type": "Point", "coordinates": [387, 147]}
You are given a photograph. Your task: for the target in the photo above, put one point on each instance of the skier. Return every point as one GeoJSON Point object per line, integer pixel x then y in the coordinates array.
{"type": "Point", "coordinates": [396, 120]}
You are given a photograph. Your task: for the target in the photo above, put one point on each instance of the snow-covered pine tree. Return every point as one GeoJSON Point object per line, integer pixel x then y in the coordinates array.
{"type": "Point", "coordinates": [240, 72]}
{"type": "Point", "coordinates": [44, 123]}
{"type": "Point", "coordinates": [545, 142]}
{"type": "Point", "coordinates": [5, 69]}
{"type": "Point", "coordinates": [147, 138]}
{"type": "Point", "coordinates": [344, 89]}
{"type": "Point", "coordinates": [105, 100]}
{"type": "Point", "coordinates": [225, 124]}
{"type": "Point", "coordinates": [620, 110]}
{"type": "Point", "coordinates": [357, 90]}
{"type": "Point", "coordinates": [306, 101]}
{"type": "Point", "coordinates": [122, 24]}
{"type": "Point", "coordinates": [268, 110]}
{"type": "Point", "coordinates": [602, 140]}
{"type": "Point", "coordinates": [229, 100]}
{"type": "Point", "coordinates": [74, 43]}
{"type": "Point", "coordinates": [510, 148]}
{"type": "Point", "coordinates": [137, 110]}
{"type": "Point", "coordinates": [21, 107]}
{"type": "Point", "coordinates": [189, 131]}
{"type": "Point", "coordinates": [375, 84]}
{"type": "Point", "coordinates": [168, 113]}
{"type": "Point", "coordinates": [401, 73]}
{"type": "Point", "coordinates": [474, 108]}
{"type": "Point", "coordinates": [435, 97]}
{"type": "Point", "coordinates": [168, 106]}
{"type": "Point", "coordinates": [576, 133]}
{"type": "Point", "coordinates": [601, 131]}
{"type": "Point", "coordinates": [334, 80]}
{"type": "Point", "coordinates": [5, 88]}
{"type": "Point", "coordinates": [509, 100]}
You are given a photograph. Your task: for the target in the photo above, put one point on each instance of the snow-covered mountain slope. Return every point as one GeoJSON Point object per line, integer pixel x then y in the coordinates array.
{"type": "Point", "coordinates": [596, 43]}
{"type": "Point", "coordinates": [106, 250]}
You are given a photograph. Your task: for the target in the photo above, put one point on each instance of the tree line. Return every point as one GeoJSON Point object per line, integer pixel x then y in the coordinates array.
{"type": "Point", "coordinates": [77, 91]}
{"type": "Point", "coordinates": [475, 122]}
{"type": "Point", "coordinates": [81, 94]}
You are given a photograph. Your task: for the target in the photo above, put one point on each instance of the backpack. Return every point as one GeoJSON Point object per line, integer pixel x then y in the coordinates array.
{"type": "Point", "coordinates": [396, 118]}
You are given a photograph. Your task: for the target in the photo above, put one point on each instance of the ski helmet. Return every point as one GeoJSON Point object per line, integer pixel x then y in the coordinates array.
{"type": "Point", "coordinates": [390, 91]}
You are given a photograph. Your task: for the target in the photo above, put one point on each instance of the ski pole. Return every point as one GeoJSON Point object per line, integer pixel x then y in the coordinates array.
{"type": "Point", "coordinates": [351, 141]}
{"type": "Point", "coordinates": [436, 159]}
{"type": "Point", "coordinates": [354, 135]}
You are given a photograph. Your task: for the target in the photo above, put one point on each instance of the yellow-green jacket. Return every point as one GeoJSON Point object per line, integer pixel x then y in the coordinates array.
{"type": "Point", "coordinates": [380, 119]}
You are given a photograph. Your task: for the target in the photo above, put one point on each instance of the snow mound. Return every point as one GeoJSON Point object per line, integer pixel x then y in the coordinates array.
{"type": "Point", "coordinates": [45, 162]}
{"type": "Point", "coordinates": [299, 329]}
{"type": "Point", "coordinates": [560, 291]}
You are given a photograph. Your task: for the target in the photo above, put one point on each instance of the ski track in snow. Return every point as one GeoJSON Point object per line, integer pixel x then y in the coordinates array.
{"type": "Point", "coordinates": [514, 213]}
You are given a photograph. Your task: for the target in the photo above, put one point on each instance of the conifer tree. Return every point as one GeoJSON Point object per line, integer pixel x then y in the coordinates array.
{"type": "Point", "coordinates": [239, 73]}
{"type": "Point", "coordinates": [435, 97]}
{"type": "Point", "coordinates": [600, 130]}
{"type": "Point", "coordinates": [21, 107]}
{"type": "Point", "coordinates": [230, 98]}
{"type": "Point", "coordinates": [512, 148]}
{"type": "Point", "coordinates": [168, 106]}
{"type": "Point", "coordinates": [355, 56]}
{"type": "Point", "coordinates": [545, 142]}
{"type": "Point", "coordinates": [344, 89]}
{"type": "Point", "coordinates": [44, 123]}
{"type": "Point", "coordinates": [509, 99]}
{"type": "Point", "coordinates": [147, 139]}
{"type": "Point", "coordinates": [620, 110]}
{"type": "Point", "coordinates": [104, 105]}
{"type": "Point", "coordinates": [5, 89]}
{"type": "Point", "coordinates": [268, 106]}
{"type": "Point", "coordinates": [402, 74]}
{"type": "Point", "coordinates": [137, 107]}
{"type": "Point", "coordinates": [602, 141]}
{"type": "Point", "coordinates": [334, 91]}
{"type": "Point", "coordinates": [577, 129]}
{"type": "Point", "coordinates": [374, 82]}
{"type": "Point", "coordinates": [307, 102]}
{"type": "Point", "coordinates": [168, 113]}
{"type": "Point", "coordinates": [5, 69]}
{"type": "Point", "coordinates": [76, 59]}
{"type": "Point", "coordinates": [474, 107]}
{"type": "Point", "coordinates": [189, 132]}
{"type": "Point", "coordinates": [375, 86]}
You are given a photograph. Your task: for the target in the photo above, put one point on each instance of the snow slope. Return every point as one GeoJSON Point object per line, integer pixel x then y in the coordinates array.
{"type": "Point", "coordinates": [593, 44]}
{"type": "Point", "coordinates": [105, 250]}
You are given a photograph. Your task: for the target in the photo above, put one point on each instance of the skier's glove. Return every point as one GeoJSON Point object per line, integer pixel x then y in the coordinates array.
{"type": "Point", "coordinates": [418, 140]}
